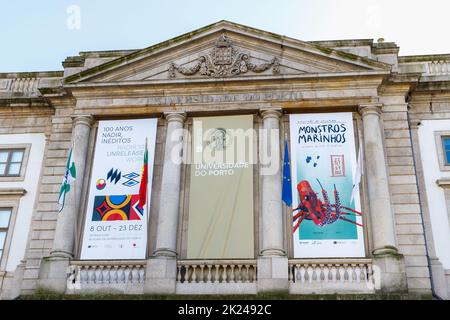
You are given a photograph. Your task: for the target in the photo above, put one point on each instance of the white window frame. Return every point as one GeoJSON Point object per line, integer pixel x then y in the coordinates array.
{"type": "Point", "coordinates": [26, 147]}
{"type": "Point", "coordinates": [439, 137]}
{"type": "Point", "coordinates": [13, 205]}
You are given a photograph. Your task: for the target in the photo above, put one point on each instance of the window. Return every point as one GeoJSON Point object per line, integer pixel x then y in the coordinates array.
{"type": "Point", "coordinates": [442, 141]}
{"type": "Point", "coordinates": [5, 216]}
{"type": "Point", "coordinates": [11, 162]}
{"type": "Point", "coordinates": [446, 149]}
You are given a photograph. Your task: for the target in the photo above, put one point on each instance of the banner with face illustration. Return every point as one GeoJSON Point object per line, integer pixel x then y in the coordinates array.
{"type": "Point", "coordinates": [327, 220]}
{"type": "Point", "coordinates": [221, 189]}
{"type": "Point", "coordinates": [115, 224]}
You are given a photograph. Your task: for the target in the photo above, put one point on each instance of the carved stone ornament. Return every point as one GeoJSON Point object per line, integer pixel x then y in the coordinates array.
{"type": "Point", "coordinates": [224, 61]}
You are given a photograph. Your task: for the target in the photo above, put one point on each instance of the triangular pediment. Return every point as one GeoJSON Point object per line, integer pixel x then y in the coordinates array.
{"type": "Point", "coordinates": [226, 50]}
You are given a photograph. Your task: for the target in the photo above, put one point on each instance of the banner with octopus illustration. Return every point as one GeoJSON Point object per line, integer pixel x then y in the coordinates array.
{"type": "Point", "coordinates": [327, 219]}
{"type": "Point", "coordinates": [115, 223]}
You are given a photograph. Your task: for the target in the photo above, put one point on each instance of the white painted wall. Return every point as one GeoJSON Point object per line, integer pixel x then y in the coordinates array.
{"type": "Point", "coordinates": [435, 195]}
{"type": "Point", "coordinates": [30, 184]}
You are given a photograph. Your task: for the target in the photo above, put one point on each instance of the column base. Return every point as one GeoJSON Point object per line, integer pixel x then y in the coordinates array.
{"type": "Point", "coordinates": [272, 274]}
{"type": "Point", "coordinates": [53, 273]}
{"type": "Point", "coordinates": [161, 275]}
{"type": "Point", "coordinates": [390, 272]}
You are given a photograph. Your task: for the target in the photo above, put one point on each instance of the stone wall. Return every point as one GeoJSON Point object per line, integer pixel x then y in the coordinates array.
{"type": "Point", "coordinates": [45, 213]}
{"type": "Point", "coordinates": [430, 105]}
{"type": "Point", "coordinates": [404, 193]}
{"type": "Point", "coordinates": [21, 118]}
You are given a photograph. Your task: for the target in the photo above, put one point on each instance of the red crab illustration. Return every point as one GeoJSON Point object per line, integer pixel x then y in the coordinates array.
{"type": "Point", "coordinates": [321, 213]}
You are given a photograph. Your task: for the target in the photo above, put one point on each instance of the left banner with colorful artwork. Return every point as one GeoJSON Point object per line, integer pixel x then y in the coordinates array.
{"type": "Point", "coordinates": [115, 225]}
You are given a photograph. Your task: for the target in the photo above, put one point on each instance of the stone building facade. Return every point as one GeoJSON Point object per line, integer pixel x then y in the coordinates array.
{"type": "Point", "coordinates": [401, 111]}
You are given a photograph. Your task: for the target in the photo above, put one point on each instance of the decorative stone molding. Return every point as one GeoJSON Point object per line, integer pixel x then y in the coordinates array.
{"type": "Point", "coordinates": [444, 183]}
{"type": "Point", "coordinates": [12, 192]}
{"type": "Point", "coordinates": [224, 60]}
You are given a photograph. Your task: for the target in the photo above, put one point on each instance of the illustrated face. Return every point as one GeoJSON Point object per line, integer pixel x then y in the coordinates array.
{"type": "Point", "coordinates": [218, 139]}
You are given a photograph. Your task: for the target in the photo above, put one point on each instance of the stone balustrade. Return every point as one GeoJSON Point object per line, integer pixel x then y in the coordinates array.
{"type": "Point", "coordinates": [325, 276]}
{"type": "Point", "coordinates": [216, 271]}
{"type": "Point", "coordinates": [439, 67]}
{"type": "Point", "coordinates": [320, 276]}
{"type": "Point", "coordinates": [27, 85]}
{"type": "Point", "coordinates": [123, 276]}
{"type": "Point", "coordinates": [216, 277]}
{"type": "Point", "coordinates": [428, 65]}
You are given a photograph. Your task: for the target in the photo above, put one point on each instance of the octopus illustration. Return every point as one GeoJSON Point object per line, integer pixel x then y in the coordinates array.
{"type": "Point", "coordinates": [322, 213]}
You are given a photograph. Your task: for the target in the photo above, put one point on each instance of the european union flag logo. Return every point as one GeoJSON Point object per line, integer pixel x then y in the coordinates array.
{"type": "Point", "coordinates": [287, 185]}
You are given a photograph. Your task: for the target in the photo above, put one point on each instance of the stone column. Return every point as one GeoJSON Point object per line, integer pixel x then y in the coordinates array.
{"type": "Point", "coordinates": [272, 262]}
{"type": "Point", "coordinates": [53, 271]}
{"type": "Point", "coordinates": [386, 257]}
{"type": "Point", "coordinates": [161, 268]}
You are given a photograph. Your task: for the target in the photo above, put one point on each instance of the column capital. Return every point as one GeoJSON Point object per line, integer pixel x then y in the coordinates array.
{"type": "Point", "coordinates": [370, 108]}
{"type": "Point", "coordinates": [271, 113]}
{"type": "Point", "coordinates": [179, 116]}
{"type": "Point", "coordinates": [85, 119]}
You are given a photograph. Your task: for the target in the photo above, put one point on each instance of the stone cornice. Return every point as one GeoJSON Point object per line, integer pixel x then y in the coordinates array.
{"type": "Point", "coordinates": [359, 76]}
{"type": "Point", "coordinates": [12, 192]}
{"type": "Point", "coordinates": [433, 86]}
{"type": "Point", "coordinates": [148, 93]}
{"type": "Point", "coordinates": [444, 183]}
{"type": "Point", "coordinates": [400, 84]}
{"type": "Point", "coordinates": [18, 111]}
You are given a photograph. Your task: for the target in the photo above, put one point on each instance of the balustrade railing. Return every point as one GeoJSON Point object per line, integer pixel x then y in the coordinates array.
{"type": "Point", "coordinates": [319, 276]}
{"type": "Point", "coordinates": [216, 271]}
{"type": "Point", "coordinates": [324, 275]}
{"type": "Point", "coordinates": [91, 274]}
{"type": "Point", "coordinates": [439, 67]}
{"type": "Point", "coordinates": [26, 85]}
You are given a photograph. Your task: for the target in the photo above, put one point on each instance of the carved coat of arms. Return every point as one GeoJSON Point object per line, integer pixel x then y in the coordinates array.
{"type": "Point", "coordinates": [224, 61]}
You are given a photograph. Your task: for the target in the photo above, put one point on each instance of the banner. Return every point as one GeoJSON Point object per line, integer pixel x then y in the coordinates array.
{"type": "Point", "coordinates": [115, 225]}
{"type": "Point", "coordinates": [327, 222]}
{"type": "Point", "coordinates": [221, 189]}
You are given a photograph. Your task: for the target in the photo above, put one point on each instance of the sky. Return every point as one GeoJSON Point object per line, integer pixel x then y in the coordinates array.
{"type": "Point", "coordinates": [39, 35]}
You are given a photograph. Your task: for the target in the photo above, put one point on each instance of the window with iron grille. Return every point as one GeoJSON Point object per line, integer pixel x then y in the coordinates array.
{"type": "Point", "coordinates": [11, 162]}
